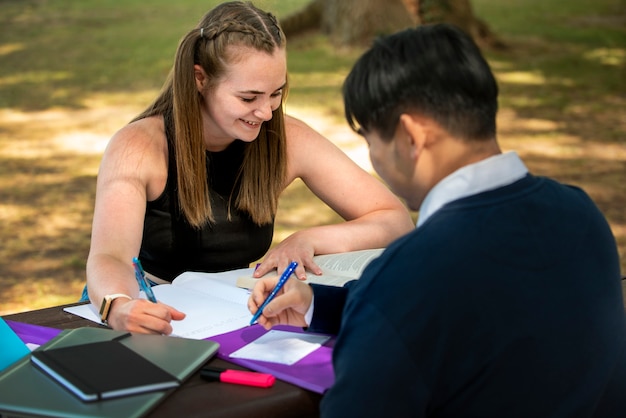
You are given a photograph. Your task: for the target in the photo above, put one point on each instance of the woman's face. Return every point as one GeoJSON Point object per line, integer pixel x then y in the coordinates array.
{"type": "Point", "coordinates": [251, 88]}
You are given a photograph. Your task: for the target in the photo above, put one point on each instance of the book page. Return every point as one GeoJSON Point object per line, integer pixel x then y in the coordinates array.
{"type": "Point", "coordinates": [337, 268]}
{"type": "Point", "coordinates": [206, 315]}
{"type": "Point", "coordinates": [248, 282]}
{"type": "Point", "coordinates": [350, 264]}
{"type": "Point", "coordinates": [221, 285]}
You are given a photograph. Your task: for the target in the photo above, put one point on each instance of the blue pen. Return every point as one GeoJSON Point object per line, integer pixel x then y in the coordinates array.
{"type": "Point", "coordinates": [281, 282]}
{"type": "Point", "coordinates": [140, 275]}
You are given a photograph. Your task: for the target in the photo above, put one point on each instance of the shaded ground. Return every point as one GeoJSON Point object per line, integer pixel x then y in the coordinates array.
{"type": "Point", "coordinates": [49, 160]}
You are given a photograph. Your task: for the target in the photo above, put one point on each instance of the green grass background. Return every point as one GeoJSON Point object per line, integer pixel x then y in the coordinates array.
{"type": "Point", "coordinates": [563, 96]}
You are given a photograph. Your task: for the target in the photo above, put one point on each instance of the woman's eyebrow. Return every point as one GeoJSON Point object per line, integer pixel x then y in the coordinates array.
{"type": "Point", "coordinates": [260, 92]}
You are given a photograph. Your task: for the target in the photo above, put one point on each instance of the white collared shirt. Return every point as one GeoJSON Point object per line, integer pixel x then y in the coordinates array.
{"type": "Point", "coordinates": [488, 174]}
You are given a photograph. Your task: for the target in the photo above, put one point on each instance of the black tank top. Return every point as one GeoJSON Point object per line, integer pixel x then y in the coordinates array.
{"type": "Point", "coordinates": [171, 246]}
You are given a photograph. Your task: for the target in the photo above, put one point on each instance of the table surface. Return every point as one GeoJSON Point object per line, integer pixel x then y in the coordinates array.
{"type": "Point", "coordinates": [197, 397]}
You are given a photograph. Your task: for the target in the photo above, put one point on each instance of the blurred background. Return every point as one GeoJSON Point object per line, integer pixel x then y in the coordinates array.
{"type": "Point", "coordinates": [73, 72]}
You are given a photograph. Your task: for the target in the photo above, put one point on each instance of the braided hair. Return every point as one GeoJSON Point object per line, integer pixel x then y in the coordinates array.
{"type": "Point", "coordinates": [263, 171]}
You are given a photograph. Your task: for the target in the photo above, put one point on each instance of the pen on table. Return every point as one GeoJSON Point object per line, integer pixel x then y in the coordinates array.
{"type": "Point", "coordinates": [239, 377]}
{"type": "Point", "coordinates": [281, 282]}
{"type": "Point", "coordinates": [140, 275]}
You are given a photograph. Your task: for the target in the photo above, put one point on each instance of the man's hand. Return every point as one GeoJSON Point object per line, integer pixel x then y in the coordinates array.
{"type": "Point", "coordinates": [288, 307]}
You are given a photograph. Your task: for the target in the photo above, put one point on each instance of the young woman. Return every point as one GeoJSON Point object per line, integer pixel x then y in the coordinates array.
{"type": "Point", "coordinates": [192, 183]}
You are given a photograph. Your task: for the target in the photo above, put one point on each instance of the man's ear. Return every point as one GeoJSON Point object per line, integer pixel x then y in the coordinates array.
{"type": "Point", "coordinates": [411, 136]}
{"type": "Point", "coordinates": [201, 78]}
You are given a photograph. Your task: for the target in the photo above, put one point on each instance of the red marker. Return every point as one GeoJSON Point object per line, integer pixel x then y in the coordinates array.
{"type": "Point", "coordinates": [239, 377]}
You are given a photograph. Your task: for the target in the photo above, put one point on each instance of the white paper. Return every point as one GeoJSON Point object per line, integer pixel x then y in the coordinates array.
{"type": "Point", "coordinates": [282, 347]}
{"type": "Point", "coordinates": [88, 311]}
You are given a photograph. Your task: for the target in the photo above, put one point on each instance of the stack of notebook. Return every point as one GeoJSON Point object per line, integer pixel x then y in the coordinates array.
{"type": "Point", "coordinates": [39, 386]}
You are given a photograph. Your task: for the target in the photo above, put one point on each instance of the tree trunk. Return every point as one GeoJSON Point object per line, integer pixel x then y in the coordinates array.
{"type": "Point", "coordinates": [458, 13]}
{"type": "Point", "coordinates": [304, 20]}
{"type": "Point", "coordinates": [357, 22]}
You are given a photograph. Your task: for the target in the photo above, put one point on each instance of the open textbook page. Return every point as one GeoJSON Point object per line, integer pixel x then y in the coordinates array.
{"type": "Point", "coordinates": [338, 268]}
{"type": "Point", "coordinates": [211, 301]}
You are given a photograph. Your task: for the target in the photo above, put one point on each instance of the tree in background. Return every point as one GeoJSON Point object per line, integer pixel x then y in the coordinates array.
{"type": "Point", "coordinates": [357, 22]}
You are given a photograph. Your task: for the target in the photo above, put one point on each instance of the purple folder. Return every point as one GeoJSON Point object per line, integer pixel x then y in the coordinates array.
{"type": "Point", "coordinates": [33, 334]}
{"type": "Point", "coordinates": [314, 372]}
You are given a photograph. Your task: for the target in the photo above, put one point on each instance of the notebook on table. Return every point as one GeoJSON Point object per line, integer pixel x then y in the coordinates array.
{"type": "Point", "coordinates": [102, 370]}
{"type": "Point", "coordinates": [26, 391]}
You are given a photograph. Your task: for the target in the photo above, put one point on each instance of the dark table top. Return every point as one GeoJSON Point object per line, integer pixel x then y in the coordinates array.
{"type": "Point", "coordinates": [197, 397]}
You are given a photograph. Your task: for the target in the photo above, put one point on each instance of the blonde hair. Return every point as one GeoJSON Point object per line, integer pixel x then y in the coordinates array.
{"type": "Point", "coordinates": [262, 174]}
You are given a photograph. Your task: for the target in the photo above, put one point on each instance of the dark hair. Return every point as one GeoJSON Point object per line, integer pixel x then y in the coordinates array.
{"type": "Point", "coordinates": [435, 70]}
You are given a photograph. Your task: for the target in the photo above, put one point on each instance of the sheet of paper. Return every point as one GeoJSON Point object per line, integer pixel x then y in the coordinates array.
{"type": "Point", "coordinates": [84, 311]}
{"type": "Point", "coordinates": [282, 347]}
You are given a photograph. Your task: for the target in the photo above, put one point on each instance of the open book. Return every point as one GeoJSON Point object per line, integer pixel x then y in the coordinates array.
{"type": "Point", "coordinates": [338, 268]}
{"type": "Point", "coordinates": [216, 303]}
{"type": "Point", "coordinates": [211, 301]}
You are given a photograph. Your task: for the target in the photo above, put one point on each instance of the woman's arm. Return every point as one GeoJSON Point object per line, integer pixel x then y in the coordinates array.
{"type": "Point", "coordinates": [133, 169]}
{"type": "Point", "coordinates": [374, 215]}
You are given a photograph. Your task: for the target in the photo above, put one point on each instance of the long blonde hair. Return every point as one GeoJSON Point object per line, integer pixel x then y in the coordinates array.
{"type": "Point", "coordinates": [262, 175]}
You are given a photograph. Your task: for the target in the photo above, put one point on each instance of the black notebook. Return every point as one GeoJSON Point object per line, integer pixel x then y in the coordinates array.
{"type": "Point", "coordinates": [102, 370]}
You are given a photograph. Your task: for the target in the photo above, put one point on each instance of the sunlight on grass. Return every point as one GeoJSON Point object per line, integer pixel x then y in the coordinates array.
{"type": "Point", "coordinates": [317, 79]}
{"type": "Point", "coordinates": [607, 56]}
{"type": "Point", "coordinates": [127, 104]}
{"type": "Point", "coordinates": [10, 48]}
{"type": "Point", "coordinates": [531, 78]}
{"type": "Point", "coordinates": [35, 77]}
{"type": "Point", "coordinates": [519, 77]}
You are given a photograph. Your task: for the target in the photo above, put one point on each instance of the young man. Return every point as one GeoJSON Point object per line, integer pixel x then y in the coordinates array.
{"type": "Point", "coordinates": [505, 301]}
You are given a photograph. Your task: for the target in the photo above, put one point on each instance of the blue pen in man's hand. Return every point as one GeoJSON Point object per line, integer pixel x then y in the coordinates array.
{"type": "Point", "coordinates": [281, 282]}
{"type": "Point", "coordinates": [140, 275]}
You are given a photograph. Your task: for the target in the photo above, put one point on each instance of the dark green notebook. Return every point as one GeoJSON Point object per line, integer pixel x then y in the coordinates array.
{"type": "Point", "coordinates": [25, 391]}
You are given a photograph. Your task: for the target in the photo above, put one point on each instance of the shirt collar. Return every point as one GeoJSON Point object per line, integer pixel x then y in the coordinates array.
{"type": "Point", "coordinates": [488, 174]}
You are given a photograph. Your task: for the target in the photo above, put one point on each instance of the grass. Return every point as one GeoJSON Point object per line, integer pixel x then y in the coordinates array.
{"type": "Point", "coordinates": [73, 72]}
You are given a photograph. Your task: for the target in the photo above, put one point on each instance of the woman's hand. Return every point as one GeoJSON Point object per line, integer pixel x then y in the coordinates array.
{"type": "Point", "coordinates": [143, 317]}
{"type": "Point", "coordinates": [296, 247]}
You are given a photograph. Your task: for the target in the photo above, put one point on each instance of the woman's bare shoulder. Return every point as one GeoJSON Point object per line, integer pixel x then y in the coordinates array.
{"type": "Point", "coordinates": [145, 136]}
{"type": "Point", "coordinates": [140, 146]}
{"type": "Point", "coordinates": [144, 131]}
